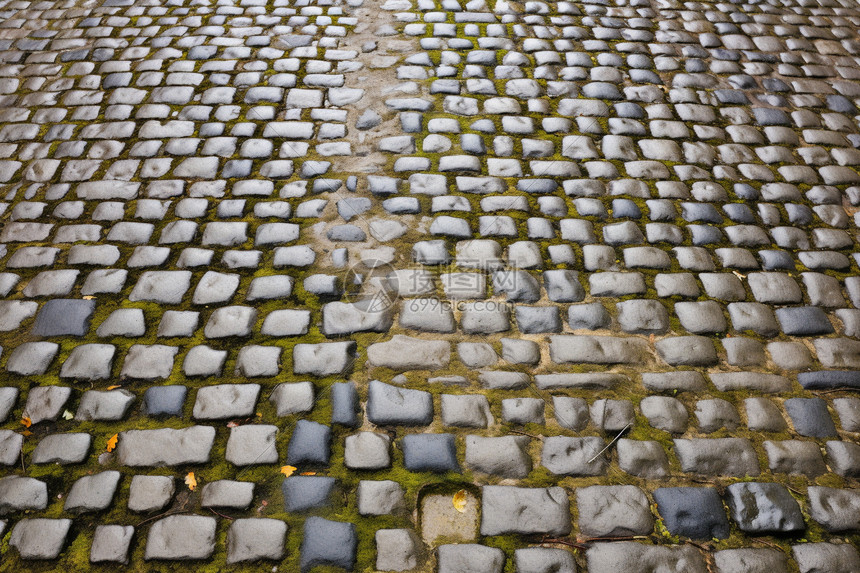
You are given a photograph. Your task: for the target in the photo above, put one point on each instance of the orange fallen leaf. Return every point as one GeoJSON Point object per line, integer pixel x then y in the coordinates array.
{"type": "Point", "coordinates": [459, 501]}
{"type": "Point", "coordinates": [114, 387]}
{"type": "Point", "coordinates": [308, 474]}
{"type": "Point", "coordinates": [191, 481]}
{"type": "Point", "coordinates": [26, 422]}
{"type": "Point", "coordinates": [111, 443]}
{"type": "Point", "coordinates": [26, 433]}
{"type": "Point", "coordinates": [287, 470]}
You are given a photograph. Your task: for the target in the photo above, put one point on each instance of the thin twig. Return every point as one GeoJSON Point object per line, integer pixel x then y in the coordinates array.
{"type": "Point", "coordinates": [831, 391]}
{"type": "Point", "coordinates": [566, 542]}
{"type": "Point", "coordinates": [609, 445]}
{"type": "Point", "coordinates": [221, 514]}
{"type": "Point", "coordinates": [165, 514]}
{"type": "Point", "coordinates": [525, 434]}
{"type": "Point", "coordinates": [620, 538]}
{"type": "Point", "coordinates": [766, 542]}
{"type": "Point", "coordinates": [23, 467]}
{"type": "Point", "coordinates": [706, 553]}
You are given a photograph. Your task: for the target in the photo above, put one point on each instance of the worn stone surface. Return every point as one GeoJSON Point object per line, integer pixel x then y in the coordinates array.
{"type": "Point", "coordinates": [413, 246]}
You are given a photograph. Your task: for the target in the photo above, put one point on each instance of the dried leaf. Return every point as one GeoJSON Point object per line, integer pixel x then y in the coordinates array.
{"type": "Point", "coordinates": [67, 415]}
{"type": "Point", "coordinates": [191, 481]}
{"type": "Point", "coordinates": [308, 474]}
{"type": "Point", "coordinates": [232, 425]}
{"type": "Point", "coordinates": [111, 443]}
{"type": "Point", "coordinates": [114, 387]}
{"type": "Point", "coordinates": [459, 500]}
{"type": "Point", "coordinates": [287, 470]}
{"type": "Point", "coordinates": [89, 297]}
{"type": "Point", "coordinates": [26, 433]}
{"type": "Point", "coordinates": [26, 422]}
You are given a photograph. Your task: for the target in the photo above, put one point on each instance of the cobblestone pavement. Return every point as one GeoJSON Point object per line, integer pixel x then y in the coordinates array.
{"type": "Point", "coordinates": [430, 285]}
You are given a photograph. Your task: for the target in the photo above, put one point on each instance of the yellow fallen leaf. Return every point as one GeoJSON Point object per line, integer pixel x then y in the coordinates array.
{"type": "Point", "coordinates": [26, 422]}
{"type": "Point", "coordinates": [67, 415]}
{"type": "Point", "coordinates": [308, 474]}
{"type": "Point", "coordinates": [111, 443]}
{"type": "Point", "coordinates": [114, 387]}
{"type": "Point", "coordinates": [287, 470]}
{"type": "Point", "coordinates": [191, 481]}
{"type": "Point", "coordinates": [459, 501]}
{"type": "Point", "coordinates": [89, 297]}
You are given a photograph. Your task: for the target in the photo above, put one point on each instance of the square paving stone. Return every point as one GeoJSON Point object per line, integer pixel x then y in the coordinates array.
{"type": "Point", "coordinates": [178, 323]}
{"type": "Point", "coordinates": [227, 493]}
{"type": "Point", "coordinates": [835, 509]}
{"type": "Point", "coordinates": [256, 360]}
{"type": "Point", "coordinates": [181, 537]}
{"type": "Point", "coordinates": [803, 321]}
{"type": "Point", "coordinates": [111, 544]}
{"type": "Point", "coordinates": [204, 360]}
{"type": "Point", "coordinates": [367, 450]}
{"type": "Point", "coordinates": [255, 539]}
{"type": "Point", "coordinates": [40, 538]}
{"type": "Point", "coordinates": [429, 453]}
{"type": "Point", "coordinates": [327, 542]}
{"type": "Point", "coordinates": [164, 400]}
{"type": "Point", "coordinates": [524, 510]}
{"type": "Point", "coordinates": [19, 493]}
{"type": "Point", "coordinates": [751, 561]}
{"type": "Point", "coordinates": [165, 287]}
{"type": "Point", "coordinates": [64, 317]}
{"type": "Point", "coordinates": [302, 493]}
{"type": "Point", "coordinates": [92, 493]}
{"type": "Point", "coordinates": [391, 405]}
{"type": "Point", "coordinates": [62, 449]}
{"type": "Point", "coordinates": [829, 557]}
{"type": "Point", "coordinates": [252, 444]}
{"type": "Point", "coordinates": [230, 321]}
{"type": "Point", "coordinates": [397, 550]}
{"type": "Point", "coordinates": [810, 417]}
{"type": "Point", "coordinates": [457, 558]}
{"type": "Point", "coordinates": [46, 402]}
{"type": "Point", "coordinates": [563, 455]}
{"type": "Point", "coordinates": [613, 511]}
{"type": "Point", "coordinates": [89, 362]}
{"type": "Point", "coordinates": [504, 456]}
{"type": "Point", "coordinates": [309, 444]}
{"type": "Point", "coordinates": [763, 508]}
{"type": "Point", "coordinates": [32, 358]}
{"type": "Point", "coordinates": [150, 493]}
{"type": "Point", "coordinates": [8, 397]}
{"type": "Point", "coordinates": [694, 512]}
{"type": "Point", "coordinates": [224, 401]}
{"type": "Point", "coordinates": [293, 398]}
{"type": "Point", "coordinates": [10, 447]}
{"type": "Point", "coordinates": [380, 497]}
{"type": "Point", "coordinates": [149, 362]}
{"type": "Point", "coordinates": [544, 560]}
